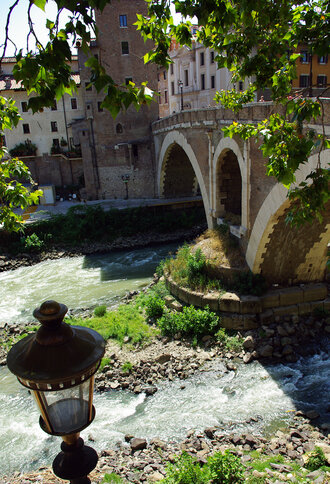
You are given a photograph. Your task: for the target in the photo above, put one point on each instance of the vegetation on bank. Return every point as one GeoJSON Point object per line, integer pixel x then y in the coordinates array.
{"type": "Point", "coordinates": [86, 223]}
{"type": "Point", "coordinates": [196, 266]}
{"type": "Point", "coordinates": [227, 468]}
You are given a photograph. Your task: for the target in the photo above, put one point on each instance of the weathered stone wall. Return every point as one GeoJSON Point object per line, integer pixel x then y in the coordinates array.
{"type": "Point", "coordinates": [122, 147]}
{"type": "Point", "coordinates": [55, 170]}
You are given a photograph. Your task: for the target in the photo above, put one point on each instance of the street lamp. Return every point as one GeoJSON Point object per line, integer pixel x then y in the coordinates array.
{"type": "Point", "coordinates": [57, 364]}
{"type": "Point", "coordinates": [180, 84]}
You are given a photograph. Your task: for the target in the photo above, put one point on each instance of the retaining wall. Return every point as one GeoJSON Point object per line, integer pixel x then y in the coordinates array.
{"type": "Point", "coordinates": [248, 312]}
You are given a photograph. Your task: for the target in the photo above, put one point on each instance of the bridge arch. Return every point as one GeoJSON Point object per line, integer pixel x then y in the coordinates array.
{"type": "Point", "coordinates": [298, 254]}
{"type": "Point", "coordinates": [230, 175]}
{"type": "Point", "coordinates": [176, 141]}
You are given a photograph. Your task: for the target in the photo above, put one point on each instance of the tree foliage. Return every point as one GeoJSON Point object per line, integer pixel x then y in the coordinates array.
{"type": "Point", "coordinates": [258, 40]}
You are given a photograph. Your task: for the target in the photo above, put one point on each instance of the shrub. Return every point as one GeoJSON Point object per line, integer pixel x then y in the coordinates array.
{"type": "Point", "coordinates": [195, 265]}
{"type": "Point", "coordinates": [154, 306]}
{"type": "Point", "coordinates": [186, 470]}
{"type": "Point", "coordinates": [127, 367]}
{"type": "Point", "coordinates": [230, 343]}
{"type": "Point", "coordinates": [225, 468]}
{"type": "Point", "coordinates": [315, 459]}
{"type": "Point", "coordinates": [32, 243]}
{"type": "Point", "coordinates": [104, 362]}
{"type": "Point", "coordinates": [249, 283]}
{"type": "Point", "coordinates": [100, 311]}
{"type": "Point", "coordinates": [112, 479]}
{"type": "Point", "coordinates": [190, 322]}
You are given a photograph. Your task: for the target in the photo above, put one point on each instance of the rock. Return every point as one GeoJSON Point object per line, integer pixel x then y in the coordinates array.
{"type": "Point", "coordinates": [150, 390]}
{"type": "Point", "coordinates": [163, 359]}
{"type": "Point", "coordinates": [155, 477]}
{"type": "Point", "coordinates": [312, 414]}
{"type": "Point", "coordinates": [249, 343]}
{"type": "Point", "coordinates": [159, 444]}
{"type": "Point", "coordinates": [266, 351]}
{"type": "Point", "coordinates": [247, 358]}
{"type": "Point", "coordinates": [210, 432]}
{"type": "Point", "coordinates": [128, 437]}
{"type": "Point", "coordinates": [138, 444]}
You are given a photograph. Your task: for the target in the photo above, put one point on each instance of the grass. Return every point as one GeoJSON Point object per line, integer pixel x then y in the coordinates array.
{"type": "Point", "coordinates": [221, 248]}
{"type": "Point", "coordinates": [126, 321]}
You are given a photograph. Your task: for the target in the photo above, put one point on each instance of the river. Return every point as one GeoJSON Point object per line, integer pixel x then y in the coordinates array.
{"type": "Point", "coordinates": [255, 398]}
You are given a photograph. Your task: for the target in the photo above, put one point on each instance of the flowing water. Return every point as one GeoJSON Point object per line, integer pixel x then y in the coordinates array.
{"type": "Point", "coordinates": [255, 398]}
{"type": "Point", "coordinates": [77, 282]}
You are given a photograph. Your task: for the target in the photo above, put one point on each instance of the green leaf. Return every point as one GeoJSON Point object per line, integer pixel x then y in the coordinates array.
{"type": "Point", "coordinates": [40, 4]}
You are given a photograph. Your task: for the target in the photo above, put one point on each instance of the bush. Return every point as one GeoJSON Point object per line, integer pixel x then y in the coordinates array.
{"type": "Point", "coordinates": [230, 343]}
{"type": "Point", "coordinates": [100, 311]}
{"type": "Point", "coordinates": [127, 367]}
{"type": "Point", "coordinates": [32, 243]}
{"type": "Point", "coordinates": [154, 306]}
{"type": "Point", "coordinates": [225, 468]}
{"type": "Point", "coordinates": [186, 470]}
{"type": "Point", "coordinates": [195, 265]}
{"type": "Point", "coordinates": [315, 459]}
{"type": "Point", "coordinates": [190, 322]}
{"type": "Point", "coordinates": [112, 479]}
{"type": "Point", "coordinates": [249, 283]}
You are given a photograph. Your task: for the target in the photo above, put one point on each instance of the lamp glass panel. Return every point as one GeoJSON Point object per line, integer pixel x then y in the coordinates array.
{"type": "Point", "coordinates": [68, 409]}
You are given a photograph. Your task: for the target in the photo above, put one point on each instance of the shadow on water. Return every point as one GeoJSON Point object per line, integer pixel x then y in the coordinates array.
{"type": "Point", "coordinates": [127, 265]}
{"type": "Point", "coordinates": [307, 382]}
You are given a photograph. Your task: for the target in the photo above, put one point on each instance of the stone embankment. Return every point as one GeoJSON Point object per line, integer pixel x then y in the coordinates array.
{"type": "Point", "coordinates": [248, 312]}
{"type": "Point", "coordinates": [9, 261]}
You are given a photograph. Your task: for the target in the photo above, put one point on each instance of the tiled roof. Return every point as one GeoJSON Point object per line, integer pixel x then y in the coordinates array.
{"type": "Point", "coordinates": [8, 83]}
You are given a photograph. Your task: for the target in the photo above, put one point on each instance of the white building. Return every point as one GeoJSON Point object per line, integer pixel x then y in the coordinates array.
{"type": "Point", "coordinates": [193, 79]}
{"type": "Point", "coordinates": [50, 130]}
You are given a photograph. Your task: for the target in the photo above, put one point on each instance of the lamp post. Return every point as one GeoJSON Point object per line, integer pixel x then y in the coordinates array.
{"type": "Point", "coordinates": [180, 84]}
{"type": "Point", "coordinates": [57, 364]}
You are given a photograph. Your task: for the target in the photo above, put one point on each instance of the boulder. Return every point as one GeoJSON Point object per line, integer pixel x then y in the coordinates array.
{"type": "Point", "coordinates": [138, 444]}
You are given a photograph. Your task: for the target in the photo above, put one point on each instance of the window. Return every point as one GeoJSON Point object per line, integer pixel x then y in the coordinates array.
{"type": "Point", "coordinates": [124, 48]}
{"type": "Point", "coordinates": [135, 151]}
{"type": "Point", "coordinates": [304, 59]}
{"type": "Point", "coordinates": [159, 97]}
{"type": "Point", "coordinates": [88, 87]}
{"type": "Point", "coordinates": [54, 106]}
{"type": "Point", "coordinates": [165, 94]}
{"type": "Point", "coordinates": [172, 88]}
{"type": "Point", "coordinates": [321, 80]}
{"type": "Point", "coordinates": [171, 69]}
{"type": "Point", "coordinates": [304, 80]}
{"type": "Point", "coordinates": [100, 110]}
{"type": "Point", "coordinates": [24, 107]}
{"type": "Point", "coordinates": [26, 128]}
{"type": "Point", "coordinates": [74, 103]}
{"type": "Point", "coordinates": [123, 20]}
{"type": "Point", "coordinates": [212, 82]}
{"type": "Point", "coordinates": [128, 80]}
{"type": "Point", "coordinates": [56, 142]}
{"type": "Point", "coordinates": [212, 57]}
{"type": "Point", "coordinates": [186, 77]}
{"type": "Point", "coordinates": [202, 82]}
{"type": "Point", "coordinates": [53, 126]}
{"type": "Point", "coordinates": [164, 75]}
{"type": "Point", "coordinates": [240, 85]}
{"type": "Point", "coordinates": [119, 128]}
{"type": "Point", "coordinates": [201, 58]}
{"type": "Point", "coordinates": [323, 59]}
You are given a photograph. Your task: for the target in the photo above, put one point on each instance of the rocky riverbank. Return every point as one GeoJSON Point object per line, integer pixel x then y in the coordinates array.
{"type": "Point", "coordinates": [9, 261]}
{"type": "Point", "coordinates": [140, 461]}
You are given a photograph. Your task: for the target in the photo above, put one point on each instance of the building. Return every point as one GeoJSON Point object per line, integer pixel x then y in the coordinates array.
{"type": "Point", "coordinates": [313, 74]}
{"type": "Point", "coordinates": [44, 140]}
{"type": "Point", "coordinates": [117, 153]}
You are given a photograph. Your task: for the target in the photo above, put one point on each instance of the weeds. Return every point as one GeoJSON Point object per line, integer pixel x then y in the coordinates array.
{"type": "Point", "coordinates": [190, 322]}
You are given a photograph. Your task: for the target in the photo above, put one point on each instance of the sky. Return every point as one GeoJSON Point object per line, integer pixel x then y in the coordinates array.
{"type": "Point", "coordinates": [18, 26]}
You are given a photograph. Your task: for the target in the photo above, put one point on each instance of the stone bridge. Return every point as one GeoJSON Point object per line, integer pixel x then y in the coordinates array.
{"type": "Point", "coordinates": [193, 157]}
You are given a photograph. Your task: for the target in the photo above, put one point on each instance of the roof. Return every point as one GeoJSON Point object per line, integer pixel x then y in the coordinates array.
{"type": "Point", "coordinates": [8, 83]}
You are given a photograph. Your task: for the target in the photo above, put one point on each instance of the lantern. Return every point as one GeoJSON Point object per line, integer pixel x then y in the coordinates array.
{"type": "Point", "coordinates": [57, 364]}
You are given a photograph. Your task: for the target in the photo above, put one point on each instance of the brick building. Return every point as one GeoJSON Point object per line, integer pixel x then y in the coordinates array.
{"type": "Point", "coordinates": [118, 154]}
